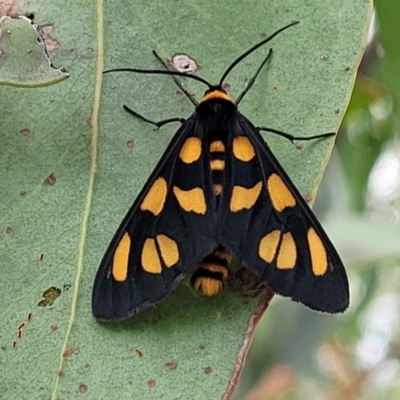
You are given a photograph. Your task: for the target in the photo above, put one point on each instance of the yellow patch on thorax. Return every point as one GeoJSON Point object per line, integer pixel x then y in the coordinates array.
{"type": "Point", "coordinates": [217, 146]}
{"type": "Point", "coordinates": [217, 165]}
{"type": "Point", "coordinates": [216, 94]}
{"type": "Point", "coordinates": [217, 189]}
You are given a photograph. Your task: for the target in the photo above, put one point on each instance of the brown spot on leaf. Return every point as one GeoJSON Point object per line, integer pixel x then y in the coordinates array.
{"type": "Point", "coordinates": [9, 8]}
{"type": "Point", "coordinates": [69, 351]}
{"type": "Point", "coordinates": [151, 383]}
{"type": "Point", "coordinates": [183, 63]}
{"type": "Point", "coordinates": [309, 198]}
{"type": "Point", "coordinates": [49, 295]}
{"type": "Point", "coordinates": [83, 388]}
{"type": "Point", "coordinates": [129, 143]}
{"type": "Point", "coordinates": [25, 132]}
{"type": "Point", "coordinates": [50, 43]}
{"type": "Point", "coordinates": [207, 370]}
{"type": "Point", "coordinates": [226, 87]}
{"type": "Point", "coordinates": [139, 353]}
{"type": "Point", "coordinates": [172, 366]}
{"type": "Point", "coordinates": [9, 230]}
{"type": "Point", "coordinates": [21, 326]}
{"type": "Point", "coordinates": [50, 180]}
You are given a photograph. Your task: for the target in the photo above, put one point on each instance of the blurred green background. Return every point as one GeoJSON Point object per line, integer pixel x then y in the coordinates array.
{"type": "Point", "coordinates": [296, 354]}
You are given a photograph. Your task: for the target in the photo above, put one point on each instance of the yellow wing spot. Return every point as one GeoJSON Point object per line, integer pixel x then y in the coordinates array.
{"type": "Point", "coordinates": [217, 189]}
{"type": "Point", "coordinates": [281, 196]}
{"type": "Point", "coordinates": [121, 258]}
{"type": "Point", "coordinates": [191, 200]}
{"type": "Point", "coordinates": [155, 197]}
{"type": "Point", "coordinates": [216, 94]}
{"type": "Point", "coordinates": [244, 197]}
{"type": "Point", "coordinates": [319, 260]}
{"type": "Point", "coordinates": [268, 245]}
{"type": "Point", "coordinates": [217, 165]}
{"type": "Point", "coordinates": [191, 150]}
{"type": "Point", "coordinates": [217, 146]}
{"type": "Point", "coordinates": [287, 252]}
{"type": "Point", "coordinates": [150, 259]}
{"type": "Point", "coordinates": [168, 249]}
{"type": "Point", "coordinates": [243, 150]}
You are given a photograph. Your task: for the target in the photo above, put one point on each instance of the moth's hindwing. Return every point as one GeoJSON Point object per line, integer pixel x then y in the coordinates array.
{"type": "Point", "coordinates": [169, 228]}
{"type": "Point", "coordinates": [268, 226]}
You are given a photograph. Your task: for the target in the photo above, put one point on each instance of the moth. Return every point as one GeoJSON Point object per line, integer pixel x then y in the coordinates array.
{"type": "Point", "coordinates": [218, 191]}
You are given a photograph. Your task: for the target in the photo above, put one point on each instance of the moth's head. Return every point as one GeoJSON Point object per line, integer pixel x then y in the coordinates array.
{"type": "Point", "coordinates": [216, 92]}
{"type": "Point", "coordinates": [216, 106]}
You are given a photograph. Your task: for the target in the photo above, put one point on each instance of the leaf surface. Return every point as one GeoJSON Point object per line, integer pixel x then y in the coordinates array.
{"type": "Point", "coordinates": [72, 162]}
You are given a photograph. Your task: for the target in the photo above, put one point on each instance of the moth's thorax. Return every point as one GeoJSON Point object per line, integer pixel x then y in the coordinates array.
{"type": "Point", "coordinates": [217, 121]}
{"type": "Point", "coordinates": [216, 113]}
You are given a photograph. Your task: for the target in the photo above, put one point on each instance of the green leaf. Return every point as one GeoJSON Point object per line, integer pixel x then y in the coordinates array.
{"type": "Point", "coordinates": [70, 173]}
{"type": "Point", "coordinates": [23, 58]}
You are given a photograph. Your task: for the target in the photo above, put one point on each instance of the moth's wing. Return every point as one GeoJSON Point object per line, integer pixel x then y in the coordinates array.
{"type": "Point", "coordinates": [168, 229]}
{"type": "Point", "coordinates": [268, 226]}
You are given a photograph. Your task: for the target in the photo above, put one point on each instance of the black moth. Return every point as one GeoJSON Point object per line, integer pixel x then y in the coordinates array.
{"type": "Point", "coordinates": [218, 191]}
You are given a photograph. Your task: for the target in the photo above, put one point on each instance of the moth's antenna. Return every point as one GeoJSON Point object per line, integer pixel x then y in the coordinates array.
{"type": "Point", "coordinates": [246, 53]}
